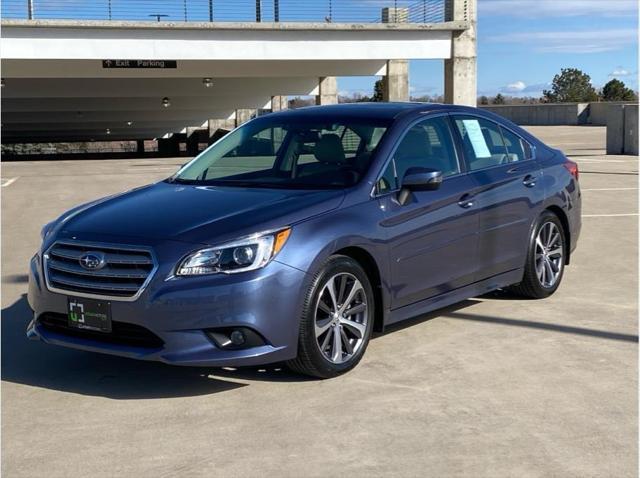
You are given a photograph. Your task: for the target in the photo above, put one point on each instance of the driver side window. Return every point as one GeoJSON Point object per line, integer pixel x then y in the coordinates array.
{"type": "Point", "coordinates": [427, 144]}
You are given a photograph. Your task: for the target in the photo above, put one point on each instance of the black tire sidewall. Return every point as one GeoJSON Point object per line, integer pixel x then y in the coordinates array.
{"type": "Point", "coordinates": [334, 265]}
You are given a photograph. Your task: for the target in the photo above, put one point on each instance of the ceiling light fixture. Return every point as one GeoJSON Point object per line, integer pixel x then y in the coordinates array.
{"type": "Point", "coordinates": [108, 131]}
{"type": "Point", "coordinates": [207, 82]}
{"type": "Point", "coordinates": [129, 123]}
{"type": "Point", "coordinates": [166, 102]}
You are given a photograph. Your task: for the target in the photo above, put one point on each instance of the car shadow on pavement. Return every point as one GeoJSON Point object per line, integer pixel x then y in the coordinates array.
{"type": "Point", "coordinates": [57, 368]}
{"type": "Point", "coordinates": [16, 279]}
{"type": "Point", "coordinates": [444, 312]}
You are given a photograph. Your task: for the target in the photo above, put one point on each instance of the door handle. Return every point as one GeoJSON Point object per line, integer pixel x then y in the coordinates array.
{"type": "Point", "coordinates": [466, 201]}
{"type": "Point", "coordinates": [529, 181]}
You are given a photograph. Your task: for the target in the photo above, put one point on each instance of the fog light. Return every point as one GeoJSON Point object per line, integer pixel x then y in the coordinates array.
{"type": "Point", "coordinates": [237, 337]}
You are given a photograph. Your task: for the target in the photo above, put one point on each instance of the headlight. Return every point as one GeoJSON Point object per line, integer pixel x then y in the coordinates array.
{"type": "Point", "coordinates": [243, 255]}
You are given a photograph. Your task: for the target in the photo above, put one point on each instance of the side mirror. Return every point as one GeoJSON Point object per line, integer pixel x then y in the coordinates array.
{"type": "Point", "coordinates": [419, 179]}
{"type": "Point", "coordinates": [422, 179]}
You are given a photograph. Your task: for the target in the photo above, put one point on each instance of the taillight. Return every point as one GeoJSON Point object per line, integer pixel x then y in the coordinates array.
{"type": "Point", "coordinates": [572, 168]}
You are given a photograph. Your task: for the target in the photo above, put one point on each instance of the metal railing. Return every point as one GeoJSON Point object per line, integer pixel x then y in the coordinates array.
{"type": "Point", "coordinates": [321, 11]}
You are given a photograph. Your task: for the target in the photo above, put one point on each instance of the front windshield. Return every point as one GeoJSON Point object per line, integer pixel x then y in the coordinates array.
{"type": "Point", "coordinates": [288, 153]}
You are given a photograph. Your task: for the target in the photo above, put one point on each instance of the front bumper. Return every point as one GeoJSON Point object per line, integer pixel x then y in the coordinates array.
{"type": "Point", "coordinates": [179, 311]}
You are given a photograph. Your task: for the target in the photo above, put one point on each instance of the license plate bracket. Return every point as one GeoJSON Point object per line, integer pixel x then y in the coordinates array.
{"type": "Point", "coordinates": [89, 314]}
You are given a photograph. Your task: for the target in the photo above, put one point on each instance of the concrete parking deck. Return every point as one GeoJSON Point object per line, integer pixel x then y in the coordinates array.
{"type": "Point", "coordinates": [491, 387]}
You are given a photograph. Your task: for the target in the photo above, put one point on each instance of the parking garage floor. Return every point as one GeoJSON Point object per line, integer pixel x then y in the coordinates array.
{"type": "Point", "coordinates": [492, 387]}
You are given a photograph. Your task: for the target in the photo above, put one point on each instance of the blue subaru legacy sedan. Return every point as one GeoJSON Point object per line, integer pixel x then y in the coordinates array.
{"type": "Point", "coordinates": [296, 235]}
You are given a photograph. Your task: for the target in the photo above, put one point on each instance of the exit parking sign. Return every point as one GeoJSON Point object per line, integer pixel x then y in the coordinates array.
{"type": "Point", "coordinates": [158, 64]}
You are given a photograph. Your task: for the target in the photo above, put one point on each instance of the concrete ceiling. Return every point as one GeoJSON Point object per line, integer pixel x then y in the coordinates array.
{"type": "Point", "coordinates": [57, 88]}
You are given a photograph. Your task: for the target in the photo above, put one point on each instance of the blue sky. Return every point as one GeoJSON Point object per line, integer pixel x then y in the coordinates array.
{"type": "Point", "coordinates": [522, 44]}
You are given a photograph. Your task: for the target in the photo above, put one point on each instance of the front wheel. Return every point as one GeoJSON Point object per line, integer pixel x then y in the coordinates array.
{"type": "Point", "coordinates": [545, 259]}
{"type": "Point", "coordinates": [337, 320]}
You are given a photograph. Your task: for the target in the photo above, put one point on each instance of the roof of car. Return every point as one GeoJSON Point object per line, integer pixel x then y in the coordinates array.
{"type": "Point", "coordinates": [381, 110]}
{"type": "Point", "coordinates": [376, 110]}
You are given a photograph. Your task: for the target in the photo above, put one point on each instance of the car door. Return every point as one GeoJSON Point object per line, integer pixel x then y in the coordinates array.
{"type": "Point", "coordinates": [432, 237]}
{"type": "Point", "coordinates": [507, 191]}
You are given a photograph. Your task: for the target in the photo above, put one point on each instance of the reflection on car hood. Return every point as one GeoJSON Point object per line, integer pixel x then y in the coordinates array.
{"type": "Point", "coordinates": [199, 214]}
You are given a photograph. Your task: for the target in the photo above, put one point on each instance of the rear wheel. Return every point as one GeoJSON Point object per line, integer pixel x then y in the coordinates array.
{"type": "Point", "coordinates": [545, 259]}
{"type": "Point", "coordinates": [337, 320]}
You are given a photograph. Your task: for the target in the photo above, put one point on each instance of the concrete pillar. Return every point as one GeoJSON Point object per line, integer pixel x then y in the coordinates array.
{"type": "Point", "coordinates": [244, 115]}
{"type": "Point", "coordinates": [216, 124]}
{"type": "Point", "coordinates": [220, 127]}
{"type": "Point", "coordinates": [195, 136]}
{"type": "Point", "coordinates": [140, 147]}
{"type": "Point", "coordinates": [395, 15]}
{"type": "Point", "coordinates": [631, 129]}
{"type": "Point", "coordinates": [169, 147]}
{"type": "Point", "coordinates": [279, 103]}
{"type": "Point", "coordinates": [396, 83]}
{"type": "Point", "coordinates": [460, 72]}
{"type": "Point", "coordinates": [615, 129]}
{"type": "Point", "coordinates": [328, 91]}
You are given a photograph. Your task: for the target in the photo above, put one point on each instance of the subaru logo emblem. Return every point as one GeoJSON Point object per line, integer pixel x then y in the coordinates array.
{"type": "Point", "coordinates": [92, 260]}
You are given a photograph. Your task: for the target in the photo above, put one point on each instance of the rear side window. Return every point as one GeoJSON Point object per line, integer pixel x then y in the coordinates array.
{"type": "Point", "coordinates": [483, 143]}
{"type": "Point", "coordinates": [488, 144]}
{"type": "Point", "coordinates": [515, 146]}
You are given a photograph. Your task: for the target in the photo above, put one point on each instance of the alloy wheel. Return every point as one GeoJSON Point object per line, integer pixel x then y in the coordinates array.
{"type": "Point", "coordinates": [341, 318]}
{"type": "Point", "coordinates": [549, 254]}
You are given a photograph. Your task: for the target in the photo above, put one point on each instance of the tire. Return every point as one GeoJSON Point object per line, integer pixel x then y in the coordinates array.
{"type": "Point", "coordinates": [340, 340]}
{"type": "Point", "coordinates": [544, 249]}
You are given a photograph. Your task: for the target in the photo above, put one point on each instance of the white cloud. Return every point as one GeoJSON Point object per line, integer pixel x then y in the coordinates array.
{"type": "Point", "coordinates": [619, 72]}
{"type": "Point", "coordinates": [516, 87]}
{"type": "Point", "coordinates": [558, 8]}
{"type": "Point", "coordinates": [593, 41]}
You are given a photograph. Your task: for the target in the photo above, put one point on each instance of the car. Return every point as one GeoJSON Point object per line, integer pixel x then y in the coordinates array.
{"type": "Point", "coordinates": [297, 235]}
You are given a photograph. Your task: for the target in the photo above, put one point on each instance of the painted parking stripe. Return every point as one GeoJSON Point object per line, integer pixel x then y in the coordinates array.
{"type": "Point", "coordinates": [582, 159]}
{"type": "Point", "coordinates": [609, 189]}
{"type": "Point", "coordinates": [9, 182]}
{"type": "Point", "coordinates": [610, 215]}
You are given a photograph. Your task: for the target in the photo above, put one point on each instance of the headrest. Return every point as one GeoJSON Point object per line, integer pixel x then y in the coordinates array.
{"type": "Point", "coordinates": [414, 145]}
{"type": "Point", "coordinates": [329, 149]}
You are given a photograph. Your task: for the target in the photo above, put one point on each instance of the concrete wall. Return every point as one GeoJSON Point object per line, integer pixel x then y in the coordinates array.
{"type": "Point", "coordinates": [557, 114]}
{"type": "Point", "coordinates": [543, 114]}
{"type": "Point", "coordinates": [598, 112]}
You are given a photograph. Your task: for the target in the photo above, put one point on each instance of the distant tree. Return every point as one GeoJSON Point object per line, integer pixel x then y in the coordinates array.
{"type": "Point", "coordinates": [427, 99]}
{"type": "Point", "coordinates": [571, 86]}
{"type": "Point", "coordinates": [616, 90]}
{"type": "Point", "coordinates": [378, 91]}
{"type": "Point", "coordinates": [299, 102]}
{"type": "Point", "coordinates": [499, 100]}
{"type": "Point", "coordinates": [483, 100]}
{"type": "Point", "coordinates": [354, 98]}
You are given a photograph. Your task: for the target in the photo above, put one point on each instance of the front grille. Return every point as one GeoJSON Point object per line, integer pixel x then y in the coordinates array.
{"type": "Point", "coordinates": [123, 274]}
{"type": "Point", "coordinates": [121, 333]}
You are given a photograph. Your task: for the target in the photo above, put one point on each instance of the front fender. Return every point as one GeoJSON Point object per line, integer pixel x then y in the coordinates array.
{"type": "Point", "coordinates": [313, 241]}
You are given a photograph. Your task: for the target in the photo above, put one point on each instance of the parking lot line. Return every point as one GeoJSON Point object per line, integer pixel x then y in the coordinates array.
{"type": "Point", "coordinates": [610, 215]}
{"type": "Point", "coordinates": [9, 182]}
{"type": "Point", "coordinates": [610, 189]}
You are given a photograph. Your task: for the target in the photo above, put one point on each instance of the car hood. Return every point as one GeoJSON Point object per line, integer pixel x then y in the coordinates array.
{"type": "Point", "coordinates": [197, 214]}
